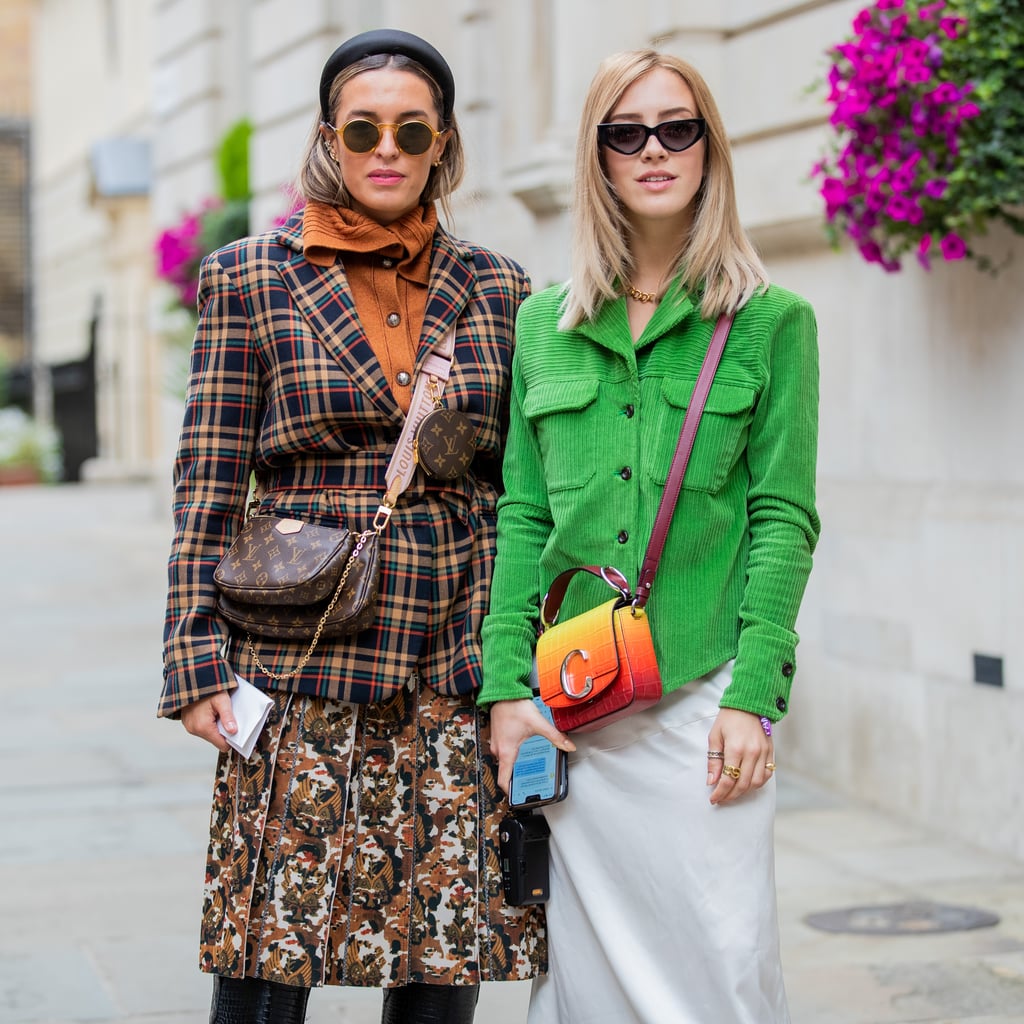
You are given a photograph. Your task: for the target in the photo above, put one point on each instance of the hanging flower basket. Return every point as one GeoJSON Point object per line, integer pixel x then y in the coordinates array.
{"type": "Point", "coordinates": [927, 116]}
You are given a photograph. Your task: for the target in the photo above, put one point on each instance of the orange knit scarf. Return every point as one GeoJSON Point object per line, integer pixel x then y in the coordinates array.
{"type": "Point", "coordinates": [388, 271]}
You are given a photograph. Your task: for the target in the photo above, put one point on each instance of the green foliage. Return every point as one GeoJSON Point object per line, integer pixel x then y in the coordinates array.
{"type": "Point", "coordinates": [233, 163]}
{"type": "Point", "coordinates": [180, 248]}
{"type": "Point", "coordinates": [222, 224]}
{"type": "Point", "coordinates": [27, 443]}
{"type": "Point", "coordinates": [220, 220]}
{"type": "Point", "coordinates": [989, 182]}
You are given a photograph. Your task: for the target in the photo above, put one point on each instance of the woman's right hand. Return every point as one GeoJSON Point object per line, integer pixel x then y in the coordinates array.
{"type": "Point", "coordinates": [512, 722]}
{"type": "Point", "coordinates": [201, 719]}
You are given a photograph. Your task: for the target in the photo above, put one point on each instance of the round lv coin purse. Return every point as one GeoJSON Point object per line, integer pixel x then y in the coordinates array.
{"type": "Point", "coordinates": [444, 444]}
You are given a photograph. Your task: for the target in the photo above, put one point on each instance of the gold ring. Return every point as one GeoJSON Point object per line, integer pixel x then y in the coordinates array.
{"type": "Point", "coordinates": [769, 766]}
{"type": "Point", "coordinates": [731, 770]}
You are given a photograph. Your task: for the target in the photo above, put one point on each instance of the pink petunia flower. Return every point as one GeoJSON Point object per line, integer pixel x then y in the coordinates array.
{"type": "Point", "coordinates": [871, 252]}
{"type": "Point", "coordinates": [922, 252]}
{"type": "Point", "coordinates": [896, 207]}
{"type": "Point", "coordinates": [951, 26]}
{"type": "Point", "coordinates": [928, 11]}
{"type": "Point", "coordinates": [953, 247]}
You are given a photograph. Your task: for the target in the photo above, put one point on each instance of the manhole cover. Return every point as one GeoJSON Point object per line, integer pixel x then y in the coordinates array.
{"type": "Point", "coordinates": [915, 918]}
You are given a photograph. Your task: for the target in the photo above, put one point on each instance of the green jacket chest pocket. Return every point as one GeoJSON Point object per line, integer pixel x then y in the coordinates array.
{"type": "Point", "coordinates": [721, 436]}
{"type": "Point", "coordinates": [564, 419]}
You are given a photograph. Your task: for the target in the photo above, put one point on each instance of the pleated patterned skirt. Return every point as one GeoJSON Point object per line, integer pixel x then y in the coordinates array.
{"type": "Point", "coordinates": [358, 845]}
{"type": "Point", "coordinates": [662, 906]}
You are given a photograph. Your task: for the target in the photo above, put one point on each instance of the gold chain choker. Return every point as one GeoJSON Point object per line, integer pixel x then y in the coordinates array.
{"type": "Point", "coordinates": [635, 293]}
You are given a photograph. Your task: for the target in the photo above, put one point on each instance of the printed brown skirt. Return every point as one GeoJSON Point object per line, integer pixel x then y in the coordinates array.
{"type": "Point", "coordinates": [358, 845]}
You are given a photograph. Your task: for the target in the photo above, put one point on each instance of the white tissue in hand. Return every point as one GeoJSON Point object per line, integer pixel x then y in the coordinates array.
{"type": "Point", "coordinates": [250, 707]}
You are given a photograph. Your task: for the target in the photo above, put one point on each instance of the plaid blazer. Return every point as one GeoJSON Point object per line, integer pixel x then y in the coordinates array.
{"type": "Point", "coordinates": [284, 383]}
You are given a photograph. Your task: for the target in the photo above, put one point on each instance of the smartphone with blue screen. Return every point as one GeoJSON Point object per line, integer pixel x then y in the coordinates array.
{"type": "Point", "coordinates": [540, 774]}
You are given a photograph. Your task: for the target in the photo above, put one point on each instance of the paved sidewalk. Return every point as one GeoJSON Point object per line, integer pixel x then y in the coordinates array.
{"type": "Point", "coordinates": [103, 812]}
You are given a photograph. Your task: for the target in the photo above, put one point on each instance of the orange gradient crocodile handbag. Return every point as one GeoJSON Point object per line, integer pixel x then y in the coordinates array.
{"type": "Point", "coordinates": [600, 666]}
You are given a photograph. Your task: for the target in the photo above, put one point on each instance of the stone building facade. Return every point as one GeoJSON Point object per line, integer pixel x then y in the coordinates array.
{"type": "Point", "coordinates": [15, 105]}
{"type": "Point", "coordinates": [916, 593]}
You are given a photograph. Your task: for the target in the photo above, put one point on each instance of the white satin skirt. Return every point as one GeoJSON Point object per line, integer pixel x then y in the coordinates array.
{"type": "Point", "coordinates": [662, 907]}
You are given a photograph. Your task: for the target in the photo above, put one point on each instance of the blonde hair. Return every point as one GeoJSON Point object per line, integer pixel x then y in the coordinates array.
{"type": "Point", "coordinates": [716, 258]}
{"type": "Point", "coordinates": [319, 177]}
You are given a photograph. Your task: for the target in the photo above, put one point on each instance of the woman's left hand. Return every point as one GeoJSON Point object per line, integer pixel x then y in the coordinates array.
{"type": "Point", "coordinates": [513, 721]}
{"type": "Point", "coordinates": [740, 738]}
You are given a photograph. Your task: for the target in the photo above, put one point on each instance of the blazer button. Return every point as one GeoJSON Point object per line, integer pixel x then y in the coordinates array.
{"type": "Point", "coordinates": [394, 319]}
{"type": "Point", "coordinates": [403, 378]}
{"type": "Point", "coordinates": [780, 703]}
{"type": "Point", "coordinates": [387, 262]}
{"type": "Point", "coordinates": [626, 472]}
{"type": "Point", "coordinates": [629, 410]}
{"type": "Point", "coordinates": [787, 668]}
{"type": "Point", "coordinates": [623, 536]}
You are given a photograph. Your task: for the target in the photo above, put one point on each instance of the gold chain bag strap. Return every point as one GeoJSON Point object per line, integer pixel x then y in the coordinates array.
{"type": "Point", "coordinates": [286, 579]}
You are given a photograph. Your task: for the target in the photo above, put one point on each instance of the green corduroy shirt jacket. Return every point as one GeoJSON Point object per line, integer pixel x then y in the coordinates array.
{"type": "Point", "coordinates": [594, 424]}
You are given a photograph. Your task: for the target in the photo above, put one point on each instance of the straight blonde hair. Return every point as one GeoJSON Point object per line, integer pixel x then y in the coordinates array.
{"type": "Point", "coordinates": [320, 177]}
{"type": "Point", "coordinates": [715, 260]}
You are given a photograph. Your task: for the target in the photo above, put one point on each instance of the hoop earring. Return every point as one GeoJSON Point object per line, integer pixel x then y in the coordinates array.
{"type": "Point", "coordinates": [327, 147]}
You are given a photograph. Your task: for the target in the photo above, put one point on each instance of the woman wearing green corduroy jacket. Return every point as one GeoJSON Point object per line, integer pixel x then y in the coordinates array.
{"type": "Point", "coordinates": [662, 892]}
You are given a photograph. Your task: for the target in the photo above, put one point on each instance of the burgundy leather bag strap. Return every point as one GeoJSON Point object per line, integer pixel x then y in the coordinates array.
{"type": "Point", "coordinates": [681, 459]}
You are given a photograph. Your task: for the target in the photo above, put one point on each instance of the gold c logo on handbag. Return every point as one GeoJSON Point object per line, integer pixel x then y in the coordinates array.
{"type": "Point", "coordinates": [565, 676]}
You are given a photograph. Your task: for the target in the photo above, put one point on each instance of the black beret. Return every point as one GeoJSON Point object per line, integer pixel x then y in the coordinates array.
{"type": "Point", "coordinates": [387, 40]}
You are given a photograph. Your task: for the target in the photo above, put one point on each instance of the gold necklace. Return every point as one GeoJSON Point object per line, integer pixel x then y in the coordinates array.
{"type": "Point", "coordinates": [635, 293]}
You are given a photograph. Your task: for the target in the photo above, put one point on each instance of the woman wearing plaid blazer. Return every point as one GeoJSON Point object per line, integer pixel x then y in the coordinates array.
{"type": "Point", "coordinates": [357, 845]}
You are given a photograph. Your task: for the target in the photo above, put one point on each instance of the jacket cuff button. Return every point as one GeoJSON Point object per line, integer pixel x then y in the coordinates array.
{"type": "Point", "coordinates": [780, 703]}
{"type": "Point", "coordinates": [787, 668]}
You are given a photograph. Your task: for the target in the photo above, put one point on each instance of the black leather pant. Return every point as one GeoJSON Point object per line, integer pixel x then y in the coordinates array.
{"type": "Point", "coordinates": [253, 1001]}
{"type": "Point", "coordinates": [430, 1004]}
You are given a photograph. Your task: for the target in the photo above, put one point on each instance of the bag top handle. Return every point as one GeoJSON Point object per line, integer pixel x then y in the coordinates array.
{"type": "Point", "coordinates": [556, 592]}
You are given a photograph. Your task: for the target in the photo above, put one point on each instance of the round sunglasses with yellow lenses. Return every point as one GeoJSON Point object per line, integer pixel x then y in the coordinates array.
{"type": "Point", "coordinates": [363, 136]}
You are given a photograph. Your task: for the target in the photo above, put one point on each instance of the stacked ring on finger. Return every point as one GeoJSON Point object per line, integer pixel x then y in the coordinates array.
{"type": "Point", "coordinates": [716, 755]}
{"type": "Point", "coordinates": [731, 770]}
{"type": "Point", "coordinates": [769, 766]}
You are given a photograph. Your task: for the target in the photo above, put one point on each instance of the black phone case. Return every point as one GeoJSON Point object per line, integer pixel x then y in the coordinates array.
{"type": "Point", "coordinates": [562, 785]}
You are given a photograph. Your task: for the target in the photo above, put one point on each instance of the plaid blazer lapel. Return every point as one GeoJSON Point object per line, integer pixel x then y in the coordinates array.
{"type": "Point", "coordinates": [323, 297]}
{"type": "Point", "coordinates": [452, 281]}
